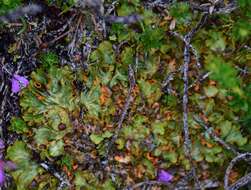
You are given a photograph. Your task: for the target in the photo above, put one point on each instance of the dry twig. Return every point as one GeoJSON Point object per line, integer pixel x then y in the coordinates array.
{"type": "Point", "coordinates": [241, 182]}
{"type": "Point", "coordinates": [186, 54]}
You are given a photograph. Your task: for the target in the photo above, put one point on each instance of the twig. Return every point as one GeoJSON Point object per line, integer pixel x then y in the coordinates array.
{"type": "Point", "coordinates": [63, 181]}
{"type": "Point", "coordinates": [50, 168]}
{"type": "Point", "coordinates": [247, 47]}
{"type": "Point", "coordinates": [245, 156]}
{"type": "Point", "coordinates": [241, 182]}
{"type": "Point", "coordinates": [209, 130]}
{"type": "Point", "coordinates": [129, 99]}
{"type": "Point", "coordinates": [123, 19]}
{"type": "Point", "coordinates": [199, 79]}
{"type": "Point", "coordinates": [186, 54]}
{"type": "Point", "coordinates": [194, 51]}
{"type": "Point", "coordinates": [21, 11]}
{"type": "Point", "coordinates": [143, 183]}
{"type": "Point", "coordinates": [216, 10]}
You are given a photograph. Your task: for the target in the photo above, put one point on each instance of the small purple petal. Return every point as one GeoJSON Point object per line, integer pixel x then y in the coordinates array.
{"type": "Point", "coordinates": [2, 146]}
{"type": "Point", "coordinates": [15, 86]}
{"type": "Point", "coordinates": [18, 82]}
{"type": "Point", "coordinates": [164, 176]}
{"type": "Point", "coordinates": [21, 79]}
{"type": "Point", "coordinates": [2, 176]}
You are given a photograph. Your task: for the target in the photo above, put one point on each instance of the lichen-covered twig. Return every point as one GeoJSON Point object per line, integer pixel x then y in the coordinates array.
{"type": "Point", "coordinates": [215, 9]}
{"type": "Point", "coordinates": [241, 182]}
{"type": "Point", "coordinates": [130, 19]}
{"type": "Point", "coordinates": [194, 51]}
{"type": "Point", "coordinates": [214, 136]}
{"type": "Point", "coordinates": [148, 183]}
{"type": "Point", "coordinates": [31, 9]}
{"type": "Point", "coordinates": [129, 99]}
{"type": "Point", "coordinates": [245, 156]}
{"type": "Point", "coordinates": [200, 79]}
{"type": "Point", "coordinates": [62, 179]}
{"type": "Point", "coordinates": [185, 69]}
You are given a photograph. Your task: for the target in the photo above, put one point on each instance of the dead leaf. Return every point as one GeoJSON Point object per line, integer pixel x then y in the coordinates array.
{"type": "Point", "coordinates": [123, 159]}
{"type": "Point", "coordinates": [105, 95]}
{"type": "Point", "coordinates": [172, 65]}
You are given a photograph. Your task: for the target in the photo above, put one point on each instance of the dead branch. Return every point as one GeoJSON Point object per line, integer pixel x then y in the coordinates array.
{"type": "Point", "coordinates": [210, 8]}
{"type": "Point", "coordinates": [148, 183]}
{"type": "Point", "coordinates": [209, 130]}
{"type": "Point", "coordinates": [129, 99]}
{"type": "Point", "coordinates": [241, 182]}
{"type": "Point", "coordinates": [185, 69]}
{"type": "Point", "coordinates": [31, 9]}
{"type": "Point", "coordinates": [63, 181]}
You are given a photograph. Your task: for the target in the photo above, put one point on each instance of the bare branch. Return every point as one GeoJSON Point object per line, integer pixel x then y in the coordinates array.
{"type": "Point", "coordinates": [63, 181]}
{"type": "Point", "coordinates": [186, 55]}
{"type": "Point", "coordinates": [241, 182]}
{"type": "Point", "coordinates": [129, 99]}
{"type": "Point", "coordinates": [209, 130]}
{"type": "Point", "coordinates": [21, 11]}
{"type": "Point", "coordinates": [206, 8]}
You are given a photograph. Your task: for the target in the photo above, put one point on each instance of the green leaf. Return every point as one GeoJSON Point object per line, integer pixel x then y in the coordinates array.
{"type": "Point", "coordinates": [226, 128]}
{"type": "Point", "coordinates": [85, 180]}
{"type": "Point", "coordinates": [52, 101]}
{"type": "Point", "coordinates": [216, 41]}
{"type": "Point", "coordinates": [171, 156]}
{"type": "Point", "coordinates": [118, 77]}
{"type": "Point", "coordinates": [67, 160]}
{"type": "Point", "coordinates": [127, 56]}
{"type": "Point", "coordinates": [96, 139]}
{"type": "Point", "coordinates": [222, 72]}
{"type": "Point", "coordinates": [152, 38]}
{"type": "Point", "coordinates": [196, 152]}
{"type": "Point", "coordinates": [27, 170]}
{"type": "Point", "coordinates": [159, 127]}
{"type": "Point", "coordinates": [107, 134]}
{"type": "Point", "coordinates": [104, 53]}
{"type": "Point", "coordinates": [6, 5]}
{"type": "Point", "coordinates": [108, 185]}
{"type": "Point", "coordinates": [151, 90]}
{"type": "Point", "coordinates": [211, 91]}
{"type": "Point", "coordinates": [125, 10]}
{"type": "Point", "coordinates": [49, 59]}
{"type": "Point", "coordinates": [18, 125]}
{"type": "Point", "coordinates": [90, 100]}
{"type": "Point", "coordinates": [241, 29]}
{"type": "Point", "coordinates": [43, 135]}
{"type": "Point", "coordinates": [211, 154]}
{"type": "Point", "coordinates": [236, 137]}
{"type": "Point", "coordinates": [180, 11]}
{"type": "Point", "coordinates": [120, 143]}
{"type": "Point", "coordinates": [56, 148]}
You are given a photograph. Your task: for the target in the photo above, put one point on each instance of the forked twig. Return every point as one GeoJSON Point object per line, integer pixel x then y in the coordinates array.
{"type": "Point", "coordinates": [185, 69]}
{"type": "Point", "coordinates": [242, 181]}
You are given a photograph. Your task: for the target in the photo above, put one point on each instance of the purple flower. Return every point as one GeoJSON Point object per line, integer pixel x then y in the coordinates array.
{"type": "Point", "coordinates": [2, 176]}
{"type": "Point", "coordinates": [2, 146]}
{"type": "Point", "coordinates": [164, 176]}
{"type": "Point", "coordinates": [9, 165]}
{"type": "Point", "coordinates": [18, 82]}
